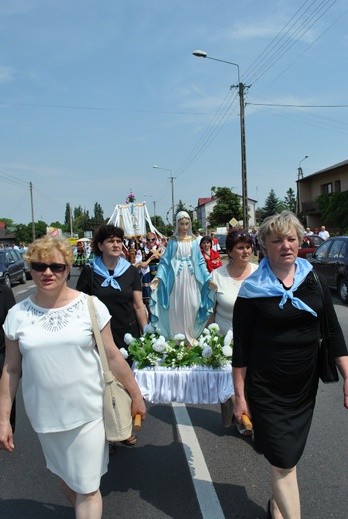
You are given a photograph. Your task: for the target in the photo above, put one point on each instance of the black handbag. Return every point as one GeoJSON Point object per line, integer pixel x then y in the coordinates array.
{"type": "Point", "coordinates": [326, 362]}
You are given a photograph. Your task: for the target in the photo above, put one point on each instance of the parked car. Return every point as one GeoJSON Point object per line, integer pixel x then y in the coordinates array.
{"type": "Point", "coordinates": [331, 260]}
{"type": "Point", "coordinates": [222, 242]}
{"type": "Point", "coordinates": [11, 267]}
{"type": "Point", "coordinates": [309, 245]}
{"type": "Point", "coordinates": [26, 267]}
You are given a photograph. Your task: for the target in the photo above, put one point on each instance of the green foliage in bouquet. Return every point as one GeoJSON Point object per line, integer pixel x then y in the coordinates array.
{"type": "Point", "coordinates": [211, 349]}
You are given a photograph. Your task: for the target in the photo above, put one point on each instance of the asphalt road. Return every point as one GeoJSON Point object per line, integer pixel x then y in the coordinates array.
{"type": "Point", "coordinates": [162, 476]}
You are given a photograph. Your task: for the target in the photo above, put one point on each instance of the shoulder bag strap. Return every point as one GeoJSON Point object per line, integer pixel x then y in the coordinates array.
{"type": "Point", "coordinates": [97, 334]}
{"type": "Point", "coordinates": [324, 321]}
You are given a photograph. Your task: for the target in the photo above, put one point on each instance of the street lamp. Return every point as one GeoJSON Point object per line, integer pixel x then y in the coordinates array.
{"type": "Point", "coordinates": [299, 175]}
{"type": "Point", "coordinates": [241, 87]}
{"type": "Point", "coordinates": [154, 209]}
{"type": "Point", "coordinates": [171, 178]}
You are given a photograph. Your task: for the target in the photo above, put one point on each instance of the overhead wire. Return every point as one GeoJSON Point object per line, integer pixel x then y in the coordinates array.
{"type": "Point", "coordinates": [267, 59]}
{"type": "Point", "coordinates": [215, 126]}
{"type": "Point", "coordinates": [277, 53]}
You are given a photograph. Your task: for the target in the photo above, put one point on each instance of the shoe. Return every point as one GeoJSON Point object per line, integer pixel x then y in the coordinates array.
{"type": "Point", "coordinates": [130, 442]}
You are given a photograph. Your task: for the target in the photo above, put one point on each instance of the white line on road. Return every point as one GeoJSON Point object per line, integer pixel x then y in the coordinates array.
{"type": "Point", "coordinates": [206, 495]}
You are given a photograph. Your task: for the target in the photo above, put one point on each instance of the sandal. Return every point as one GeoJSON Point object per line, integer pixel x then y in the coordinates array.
{"type": "Point", "coordinates": [129, 442]}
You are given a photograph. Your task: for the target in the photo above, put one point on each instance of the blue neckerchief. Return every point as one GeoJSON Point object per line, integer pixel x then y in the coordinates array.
{"type": "Point", "coordinates": [100, 268]}
{"type": "Point", "coordinates": [264, 283]}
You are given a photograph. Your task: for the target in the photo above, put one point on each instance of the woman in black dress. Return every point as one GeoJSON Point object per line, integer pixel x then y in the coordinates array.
{"type": "Point", "coordinates": [276, 328]}
{"type": "Point", "coordinates": [117, 284]}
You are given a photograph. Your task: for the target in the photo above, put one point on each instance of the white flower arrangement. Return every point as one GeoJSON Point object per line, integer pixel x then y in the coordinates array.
{"type": "Point", "coordinates": [211, 349]}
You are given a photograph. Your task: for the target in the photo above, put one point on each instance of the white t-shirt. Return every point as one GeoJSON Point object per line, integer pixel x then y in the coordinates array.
{"type": "Point", "coordinates": [324, 235]}
{"type": "Point", "coordinates": [62, 377]}
{"type": "Point", "coordinates": [226, 296]}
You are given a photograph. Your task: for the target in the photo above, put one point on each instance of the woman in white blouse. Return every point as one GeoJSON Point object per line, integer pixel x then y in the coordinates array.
{"type": "Point", "coordinates": [49, 338]}
{"type": "Point", "coordinates": [228, 279]}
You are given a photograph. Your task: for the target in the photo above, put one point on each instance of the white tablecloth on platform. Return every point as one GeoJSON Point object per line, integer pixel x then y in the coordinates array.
{"type": "Point", "coordinates": [197, 385]}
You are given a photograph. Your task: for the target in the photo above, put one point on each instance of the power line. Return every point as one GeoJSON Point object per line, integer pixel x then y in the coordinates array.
{"type": "Point", "coordinates": [297, 106]}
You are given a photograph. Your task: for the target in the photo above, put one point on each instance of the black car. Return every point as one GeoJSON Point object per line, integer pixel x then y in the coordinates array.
{"type": "Point", "coordinates": [331, 260]}
{"type": "Point", "coordinates": [11, 267]}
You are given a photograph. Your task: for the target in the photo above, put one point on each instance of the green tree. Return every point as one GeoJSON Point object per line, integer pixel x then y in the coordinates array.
{"type": "Point", "coordinates": [228, 206]}
{"type": "Point", "coordinates": [98, 218]}
{"type": "Point", "coordinates": [180, 206]}
{"type": "Point", "coordinates": [68, 215]}
{"type": "Point", "coordinates": [78, 211]}
{"type": "Point", "coordinates": [24, 233]}
{"type": "Point", "coordinates": [334, 210]}
{"type": "Point", "coordinates": [82, 223]}
{"type": "Point", "coordinates": [290, 200]}
{"type": "Point", "coordinates": [40, 228]}
{"type": "Point", "coordinates": [158, 222]}
{"type": "Point", "coordinates": [272, 205]}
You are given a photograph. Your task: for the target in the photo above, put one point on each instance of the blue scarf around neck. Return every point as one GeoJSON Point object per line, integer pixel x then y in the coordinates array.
{"type": "Point", "coordinates": [101, 269]}
{"type": "Point", "coordinates": [264, 283]}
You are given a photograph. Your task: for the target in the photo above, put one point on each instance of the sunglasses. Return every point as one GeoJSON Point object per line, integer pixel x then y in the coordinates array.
{"type": "Point", "coordinates": [151, 239]}
{"type": "Point", "coordinates": [41, 267]}
{"type": "Point", "coordinates": [238, 234]}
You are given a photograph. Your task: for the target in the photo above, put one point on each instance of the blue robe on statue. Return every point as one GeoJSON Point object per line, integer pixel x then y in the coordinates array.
{"type": "Point", "coordinates": [182, 301]}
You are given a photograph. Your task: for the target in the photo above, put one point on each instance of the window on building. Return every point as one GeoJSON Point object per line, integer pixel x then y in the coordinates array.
{"type": "Point", "coordinates": [337, 186]}
{"type": "Point", "coordinates": [326, 189]}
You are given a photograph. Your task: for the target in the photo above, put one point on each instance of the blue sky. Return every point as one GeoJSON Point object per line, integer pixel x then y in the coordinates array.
{"type": "Point", "coordinates": [94, 92]}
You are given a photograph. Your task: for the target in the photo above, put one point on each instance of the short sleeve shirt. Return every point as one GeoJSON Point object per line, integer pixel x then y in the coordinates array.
{"type": "Point", "coordinates": [62, 377]}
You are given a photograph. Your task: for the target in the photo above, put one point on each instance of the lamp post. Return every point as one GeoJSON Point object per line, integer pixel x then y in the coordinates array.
{"type": "Point", "coordinates": [299, 175]}
{"type": "Point", "coordinates": [154, 209]}
{"type": "Point", "coordinates": [241, 87]}
{"type": "Point", "coordinates": [171, 178]}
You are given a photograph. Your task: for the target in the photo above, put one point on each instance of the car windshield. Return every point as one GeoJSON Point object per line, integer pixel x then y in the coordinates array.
{"type": "Point", "coordinates": [317, 240]}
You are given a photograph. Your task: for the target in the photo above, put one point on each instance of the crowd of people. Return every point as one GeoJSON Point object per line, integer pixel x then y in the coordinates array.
{"type": "Point", "coordinates": [180, 286]}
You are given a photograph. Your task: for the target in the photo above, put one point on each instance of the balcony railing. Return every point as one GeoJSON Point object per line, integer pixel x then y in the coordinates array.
{"type": "Point", "coordinates": [310, 206]}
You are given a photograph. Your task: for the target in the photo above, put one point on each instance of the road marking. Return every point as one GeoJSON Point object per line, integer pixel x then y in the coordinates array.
{"type": "Point", "coordinates": [29, 287]}
{"type": "Point", "coordinates": [205, 491]}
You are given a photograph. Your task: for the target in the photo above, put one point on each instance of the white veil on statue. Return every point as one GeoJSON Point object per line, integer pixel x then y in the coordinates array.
{"type": "Point", "coordinates": [180, 216]}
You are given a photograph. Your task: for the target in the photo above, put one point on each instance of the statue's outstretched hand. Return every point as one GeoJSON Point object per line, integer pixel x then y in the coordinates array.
{"type": "Point", "coordinates": [213, 286]}
{"type": "Point", "coordinates": [154, 283]}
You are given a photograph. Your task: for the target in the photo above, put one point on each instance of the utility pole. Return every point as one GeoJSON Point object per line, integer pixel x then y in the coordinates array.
{"type": "Point", "coordinates": [299, 176]}
{"type": "Point", "coordinates": [154, 213]}
{"type": "Point", "coordinates": [241, 87]}
{"type": "Point", "coordinates": [32, 210]}
{"type": "Point", "coordinates": [71, 221]}
{"type": "Point", "coordinates": [173, 206]}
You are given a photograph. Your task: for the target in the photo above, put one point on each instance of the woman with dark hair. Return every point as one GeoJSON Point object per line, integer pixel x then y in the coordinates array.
{"type": "Point", "coordinates": [228, 280]}
{"type": "Point", "coordinates": [229, 277]}
{"type": "Point", "coordinates": [211, 256]}
{"type": "Point", "coordinates": [116, 283]}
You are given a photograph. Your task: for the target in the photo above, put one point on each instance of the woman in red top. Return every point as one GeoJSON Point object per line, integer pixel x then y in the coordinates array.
{"type": "Point", "coordinates": [212, 258]}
